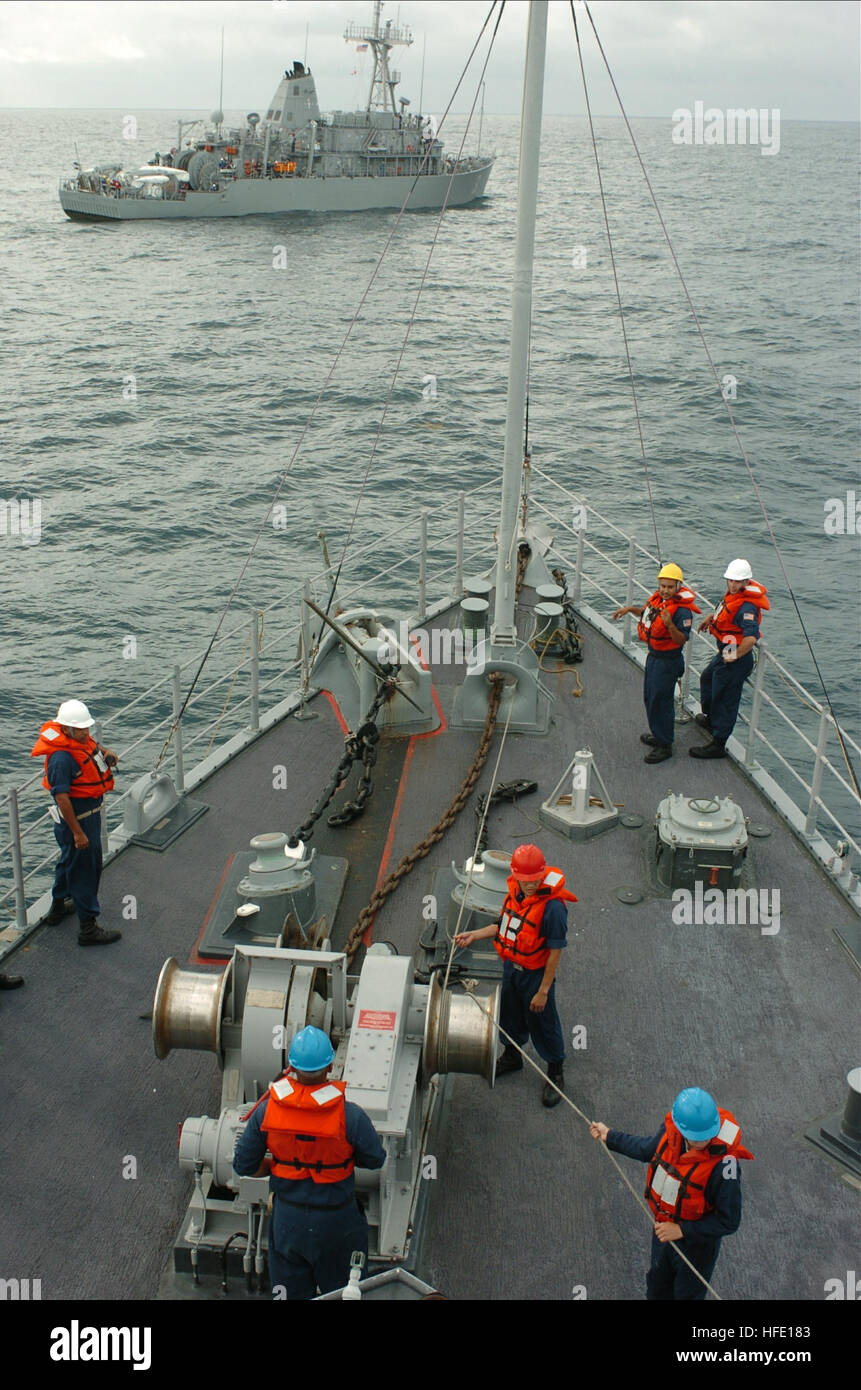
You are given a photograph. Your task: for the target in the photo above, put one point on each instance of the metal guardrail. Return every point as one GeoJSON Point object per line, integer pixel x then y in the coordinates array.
{"type": "Point", "coordinates": [810, 750]}
{"type": "Point", "coordinates": [598, 574]}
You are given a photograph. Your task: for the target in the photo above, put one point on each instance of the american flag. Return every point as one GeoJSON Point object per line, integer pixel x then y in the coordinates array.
{"type": "Point", "coordinates": [361, 48]}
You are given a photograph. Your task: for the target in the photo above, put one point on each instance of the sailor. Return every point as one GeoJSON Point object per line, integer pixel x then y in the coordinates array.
{"type": "Point", "coordinates": [735, 624]}
{"type": "Point", "coordinates": [530, 936]}
{"type": "Point", "coordinates": [315, 1138]}
{"type": "Point", "coordinates": [665, 624]}
{"type": "Point", "coordinates": [77, 774]}
{"type": "Point", "coordinates": [693, 1187]}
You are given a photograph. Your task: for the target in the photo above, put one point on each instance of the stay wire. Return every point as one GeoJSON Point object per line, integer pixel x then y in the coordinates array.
{"type": "Point", "coordinates": [287, 470]}
{"type": "Point", "coordinates": [616, 284]}
{"type": "Point", "coordinates": [420, 290]}
{"type": "Point", "coordinates": [728, 409]}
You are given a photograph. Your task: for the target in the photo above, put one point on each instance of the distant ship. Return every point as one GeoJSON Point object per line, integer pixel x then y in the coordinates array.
{"type": "Point", "coordinates": [294, 159]}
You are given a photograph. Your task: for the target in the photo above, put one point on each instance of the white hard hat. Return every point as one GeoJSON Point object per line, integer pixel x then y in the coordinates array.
{"type": "Point", "coordinates": [75, 715]}
{"type": "Point", "coordinates": [738, 569]}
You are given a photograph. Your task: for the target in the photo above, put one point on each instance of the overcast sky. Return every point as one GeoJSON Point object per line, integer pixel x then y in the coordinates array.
{"type": "Point", "coordinates": [799, 56]}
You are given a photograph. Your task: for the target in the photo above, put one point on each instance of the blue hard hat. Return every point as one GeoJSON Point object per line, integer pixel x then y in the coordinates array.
{"type": "Point", "coordinates": [695, 1114]}
{"type": "Point", "coordinates": [310, 1050]}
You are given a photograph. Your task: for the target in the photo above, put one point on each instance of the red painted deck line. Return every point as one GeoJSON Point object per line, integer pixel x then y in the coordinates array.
{"type": "Point", "coordinates": [194, 958]}
{"type": "Point", "coordinates": [338, 715]}
{"type": "Point", "coordinates": [396, 810]}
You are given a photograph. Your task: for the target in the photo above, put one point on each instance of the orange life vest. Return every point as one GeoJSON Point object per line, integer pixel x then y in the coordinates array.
{"type": "Point", "coordinates": [94, 778]}
{"type": "Point", "coordinates": [677, 1177]}
{"type": "Point", "coordinates": [723, 625]}
{"type": "Point", "coordinates": [653, 630]}
{"type": "Point", "coordinates": [307, 1130]}
{"type": "Point", "coordinates": [519, 937]}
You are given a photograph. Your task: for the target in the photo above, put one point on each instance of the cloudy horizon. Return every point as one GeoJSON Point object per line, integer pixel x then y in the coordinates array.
{"type": "Point", "coordinates": [796, 56]}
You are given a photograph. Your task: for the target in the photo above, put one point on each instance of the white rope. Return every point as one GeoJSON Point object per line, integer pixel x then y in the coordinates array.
{"type": "Point", "coordinates": [469, 986]}
{"type": "Point", "coordinates": [471, 870]}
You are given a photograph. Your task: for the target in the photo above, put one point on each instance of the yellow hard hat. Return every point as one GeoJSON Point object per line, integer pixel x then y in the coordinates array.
{"type": "Point", "coordinates": [670, 572]}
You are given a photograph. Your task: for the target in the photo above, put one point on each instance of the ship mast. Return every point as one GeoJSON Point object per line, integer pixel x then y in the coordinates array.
{"type": "Point", "coordinates": [524, 703]}
{"type": "Point", "coordinates": [521, 312]}
{"type": "Point", "coordinates": [380, 39]}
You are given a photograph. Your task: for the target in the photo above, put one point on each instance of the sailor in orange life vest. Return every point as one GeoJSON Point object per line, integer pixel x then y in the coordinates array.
{"type": "Point", "coordinates": [530, 936]}
{"type": "Point", "coordinates": [665, 623]}
{"type": "Point", "coordinates": [77, 774]}
{"type": "Point", "coordinates": [735, 624]}
{"type": "Point", "coordinates": [315, 1139]}
{"type": "Point", "coordinates": [693, 1186]}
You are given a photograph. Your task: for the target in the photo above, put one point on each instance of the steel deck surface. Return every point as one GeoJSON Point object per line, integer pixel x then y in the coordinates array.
{"type": "Point", "coordinates": [525, 1205]}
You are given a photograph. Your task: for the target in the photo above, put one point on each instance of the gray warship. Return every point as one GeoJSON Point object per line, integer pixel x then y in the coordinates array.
{"type": "Point", "coordinates": [272, 913]}
{"type": "Point", "coordinates": [294, 159]}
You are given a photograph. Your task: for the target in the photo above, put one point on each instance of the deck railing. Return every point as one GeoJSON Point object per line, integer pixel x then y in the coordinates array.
{"type": "Point", "coordinates": [786, 741]}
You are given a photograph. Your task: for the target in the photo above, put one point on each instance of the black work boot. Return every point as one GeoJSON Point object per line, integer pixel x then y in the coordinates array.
{"type": "Point", "coordinates": [510, 1060]}
{"type": "Point", "coordinates": [659, 753]}
{"type": "Point", "coordinates": [708, 750]}
{"type": "Point", "coordinates": [703, 721]}
{"type": "Point", "coordinates": [549, 1096]}
{"type": "Point", "coordinates": [60, 908]}
{"type": "Point", "coordinates": [91, 934]}
{"type": "Point", "coordinates": [11, 981]}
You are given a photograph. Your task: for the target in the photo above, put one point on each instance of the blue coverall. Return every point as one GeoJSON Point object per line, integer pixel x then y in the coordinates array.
{"type": "Point", "coordinates": [315, 1227]}
{"type": "Point", "coordinates": [519, 987]}
{"type": "Point", "coordinates": [669, 1277]}
{"type": "Point", "coordinates": [721, 682]}
{"type": "Point", "coordinates": [663, 669]}
{"type": "Point", "coordinates": [77, 871]}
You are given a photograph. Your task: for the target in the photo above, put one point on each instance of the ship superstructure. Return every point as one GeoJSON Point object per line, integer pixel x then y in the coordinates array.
{"type": "Point", "coordinates": [293, 159]}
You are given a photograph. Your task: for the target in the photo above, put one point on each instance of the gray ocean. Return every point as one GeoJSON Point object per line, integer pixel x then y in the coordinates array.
{"type": "Point", "coordinates": [149, 505]}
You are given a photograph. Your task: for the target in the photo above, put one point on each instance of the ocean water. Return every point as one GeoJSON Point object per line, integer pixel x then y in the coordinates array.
{"type": "Point", "coordinates": [150, 505]}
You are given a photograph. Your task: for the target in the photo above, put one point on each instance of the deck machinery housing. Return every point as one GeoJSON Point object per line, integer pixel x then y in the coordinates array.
{"type": "Point", "coordinates": [392, 1037]}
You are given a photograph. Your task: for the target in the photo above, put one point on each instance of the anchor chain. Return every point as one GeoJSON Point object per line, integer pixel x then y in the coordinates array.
{"type": "Point", "coordinates": [366, 916]}
{"type": "Point", "coordinates": [570, 642]}
{"type": "Point", "coordinates": [503, 791]}
{"type": "Point", "coordinates": [385, 890]}
{"type": "Point", "coordinates": [358, 747]}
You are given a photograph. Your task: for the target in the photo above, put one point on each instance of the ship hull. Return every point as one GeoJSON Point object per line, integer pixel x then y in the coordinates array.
{"type": "Point", "coordinates": [255, 197]}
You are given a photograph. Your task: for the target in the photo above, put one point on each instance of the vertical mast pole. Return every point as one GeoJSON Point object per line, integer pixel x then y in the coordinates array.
{"type": "Point", "coordinates": [521, 310]}
{"type": "Point", "coordinates": [221, 87]}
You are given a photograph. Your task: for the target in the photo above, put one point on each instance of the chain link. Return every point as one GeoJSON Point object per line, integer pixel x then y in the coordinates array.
{"type": "Point", "coordinates": [358, 747]}
{"type": "Point", "coordinates": [385, 890]}
{"type": "Point", "coordinates": [569, 639]}
{"type": "Point", "coordinates": [366, 916]}
{"type": "Point", "coordinates": [503, 791]}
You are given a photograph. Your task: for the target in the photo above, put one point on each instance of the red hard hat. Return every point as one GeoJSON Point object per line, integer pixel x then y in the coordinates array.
{"type": "Point", "coordinates": [527, 861]}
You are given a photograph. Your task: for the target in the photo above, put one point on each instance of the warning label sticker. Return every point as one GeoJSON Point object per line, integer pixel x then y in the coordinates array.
{"type": "Point", "coordinates": [376, 1018]}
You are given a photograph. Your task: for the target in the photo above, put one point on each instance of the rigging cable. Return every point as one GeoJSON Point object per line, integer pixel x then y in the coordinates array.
{"type": "Point", "coordinates": [420, 290]}
{"type": "Point", "coordinates": [727, 406]}
{"type": "Point", "coordinates": [616, 283]}
{"type": "Point", "coordinates": [286, 471]}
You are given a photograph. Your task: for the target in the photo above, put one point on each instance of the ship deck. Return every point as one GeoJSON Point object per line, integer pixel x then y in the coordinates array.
{"type": "Point", "coordinates": [524, 1205]}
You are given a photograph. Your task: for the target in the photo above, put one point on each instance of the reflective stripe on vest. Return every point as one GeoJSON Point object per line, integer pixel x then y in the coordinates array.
{"type": "Point", "coordinates": [306, 1131]}
{"type": "Point", "coordinates": [94, 778]}
{"type": "Point", "coordinates": [652, 628]}
{"type": "Point", "coordinates": [723, 625]}
{"type": "Point", "coordinates": [678, 1177]}
{"type": "Point", "coordinates": [519, 936]}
